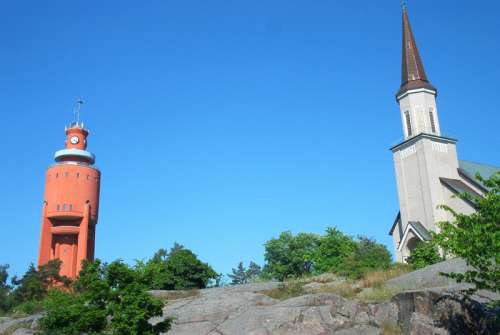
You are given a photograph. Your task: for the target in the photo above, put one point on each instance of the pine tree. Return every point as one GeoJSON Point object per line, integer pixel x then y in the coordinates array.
{"type": "Point", "coordinates": [254, 271]}
{"type": "Point", "coordinates": [239, 275]}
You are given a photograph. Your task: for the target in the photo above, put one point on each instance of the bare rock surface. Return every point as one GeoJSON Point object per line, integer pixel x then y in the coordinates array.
{"type": "Point", "coordinates": [429, 276]}
{"type": "Point", "coordinates": [245, 310]}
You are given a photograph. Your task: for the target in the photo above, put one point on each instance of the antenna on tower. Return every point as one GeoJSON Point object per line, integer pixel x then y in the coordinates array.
{"type": "Point", "coordinates": [403, 4]}
{"type": "Point", "coordinates": [78, 107]}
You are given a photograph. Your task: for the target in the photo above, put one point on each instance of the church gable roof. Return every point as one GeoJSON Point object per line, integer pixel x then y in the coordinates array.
{"type": "Point", "coordinates": [471, 168]}
{"type": "Point", "coordinates": [418, 229]}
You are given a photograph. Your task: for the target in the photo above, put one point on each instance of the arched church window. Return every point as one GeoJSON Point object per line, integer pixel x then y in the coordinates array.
{"type": "Point", "coordinates": [408, 123]}
{"type": "Point", "coordinates": [431, 117]}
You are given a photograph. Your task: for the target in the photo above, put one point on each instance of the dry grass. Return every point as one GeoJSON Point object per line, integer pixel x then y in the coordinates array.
{"type": "Point", "coordinates": [178, 294]}
{"type": "Point", "coordinates": [379, 277]}
{"type": "Point", "coordinates": [377, 294]}
{"type": "Point", "coordinates": [345, 289]}
{"type": "Point", "coordinates": [390, 328]}
{"type": "Point", "coordinates": [290, 289]}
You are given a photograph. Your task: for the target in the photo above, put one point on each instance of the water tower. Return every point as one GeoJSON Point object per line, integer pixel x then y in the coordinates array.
{"type": "Point", "coordinates": [71, 204]}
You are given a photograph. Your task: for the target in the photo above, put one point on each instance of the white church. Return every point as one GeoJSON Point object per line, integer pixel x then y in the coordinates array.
{"type": "Point", "coordinates": [428, 171]}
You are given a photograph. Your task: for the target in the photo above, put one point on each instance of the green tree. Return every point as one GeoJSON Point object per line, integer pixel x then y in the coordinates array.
{"type": "Point", "coordinates": [424, 254]}
{"type": "Point", "coordinates": [290, 256]}
{"type": "Point", "coordinates": [34, 284]}
{"type": "Point", "coordinates": [238, 275]}
{"type": "Point", "coordinates": [176, 270]}
{"type": "Point", "coordinates": [334, 248]}
{"type": "Point", "coordinates": [115, 292]}
{"type": "Point", "coordinates": [5, 297]}
{"type": "Point", "coordinates": [185, 271]}
{"type": "Point", "coordinates": [476, 237]}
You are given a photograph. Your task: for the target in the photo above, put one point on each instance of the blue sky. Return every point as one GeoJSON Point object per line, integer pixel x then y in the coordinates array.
{"type": "Point", "coordinates": [220, 124]}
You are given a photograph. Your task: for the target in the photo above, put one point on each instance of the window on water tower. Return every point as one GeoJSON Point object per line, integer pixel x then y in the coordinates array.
{"type": "Point", "coordinates": [64, 207]}
{"type": "Point", "coordinates": [58, 207]}
{"type": "Point", "coordinates": [431, 118]}
{"type": "Point", "coordinates": [70, 207]}
{"type": "Point", "coordinates": [408, 123]}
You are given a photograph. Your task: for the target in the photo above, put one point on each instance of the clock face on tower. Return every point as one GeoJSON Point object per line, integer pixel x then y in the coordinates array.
{"type": "Point", "coordinates": [74, 139]}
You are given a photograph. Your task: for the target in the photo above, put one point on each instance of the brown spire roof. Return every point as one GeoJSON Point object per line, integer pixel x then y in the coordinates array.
{"type": "Point", "coordinates": [413, 73]}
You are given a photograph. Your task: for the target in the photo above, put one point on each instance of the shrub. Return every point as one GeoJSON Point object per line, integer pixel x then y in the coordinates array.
{"type": "Point", "coordinates": [476, 237]}
{"type": "Point", "coordinates": [424, 254]}
{"type": "Point", "coordinates": [367, 255]}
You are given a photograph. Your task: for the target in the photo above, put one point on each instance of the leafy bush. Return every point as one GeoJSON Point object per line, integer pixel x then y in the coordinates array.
{"type": "Point", "coordinates": [103, 292]}
{"type": "Point", "coordinates": [290, 256]}
{"type": "Point", "coordinates": [424, 254]}
{"type": "Point", "coordinates": [476, 237]}
{"type": "Point", "coordinates": [367, 256]}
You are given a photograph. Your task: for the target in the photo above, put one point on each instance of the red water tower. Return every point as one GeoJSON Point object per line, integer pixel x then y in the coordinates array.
{"type": "Point", "coordinates": [71, 204]}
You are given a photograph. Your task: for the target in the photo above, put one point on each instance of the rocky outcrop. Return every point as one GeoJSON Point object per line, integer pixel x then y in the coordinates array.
{"type": "Point", "coordinates": [447, 311]}
{"type": "Point", "coordinates": [19, 326]}
{"type": "Point", "coordinates": [244, 309]}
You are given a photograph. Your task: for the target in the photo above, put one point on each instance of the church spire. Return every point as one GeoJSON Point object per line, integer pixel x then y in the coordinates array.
{"type": "Point", "coordinates": [413, 73]}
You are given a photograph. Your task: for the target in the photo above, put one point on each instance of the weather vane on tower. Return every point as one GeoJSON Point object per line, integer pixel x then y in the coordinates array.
{"type": "Point", "coordinates": [78, 107]}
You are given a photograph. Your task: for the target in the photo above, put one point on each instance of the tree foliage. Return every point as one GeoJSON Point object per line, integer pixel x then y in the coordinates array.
{"type": "Point", "coordinates": [175, 270]}
{"type": "Point", "coordinates": [289, 255]}
{"type": "Point", "coordinates": [115, 292]}
{"type": "Point", "coordinates": [35, 283]}
{"type": "Point", "coordinates": [303, 254]}
{"type": "Point", "coordinates": [476, 237]}
{"type": "Point", "coordinates": [424, 254]}
{"type": "Point", "coordinates": [5, 297]}
{"type": "Point", "coordinates": [334, 247]}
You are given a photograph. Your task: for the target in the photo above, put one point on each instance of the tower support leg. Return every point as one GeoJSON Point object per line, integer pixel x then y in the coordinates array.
{"type": "Point", "coordinates": [45, 239]}
{"type": "Point", "coordinates": [83, 237]}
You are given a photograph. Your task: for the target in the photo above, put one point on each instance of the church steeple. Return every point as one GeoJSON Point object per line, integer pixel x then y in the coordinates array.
{"type": "Point", "coordinates": [413, 74]}
{"type": "Point", "coordinates": [416, 96]}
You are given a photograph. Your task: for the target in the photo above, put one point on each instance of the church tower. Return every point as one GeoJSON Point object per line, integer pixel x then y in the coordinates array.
{"type": "Point", "coordinates": [423, 158]}
{"type": "Point", "coordinates": [71, 204]}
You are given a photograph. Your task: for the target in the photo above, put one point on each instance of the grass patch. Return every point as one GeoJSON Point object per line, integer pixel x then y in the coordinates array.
{"type": "Point", "coordinates": [390, 328]}
{"type": "Point", "coordinates": [379, 277]}
{"type": "Point", "coordinates": [13, 328]}
{"type": "Point", "coordinates": [290, 289]}
{"type": "Point", "coordinates": [27, 308]}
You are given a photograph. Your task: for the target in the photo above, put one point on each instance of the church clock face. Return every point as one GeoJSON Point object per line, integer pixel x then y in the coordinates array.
{"type": "Point", "coordinates": [74, 139]}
